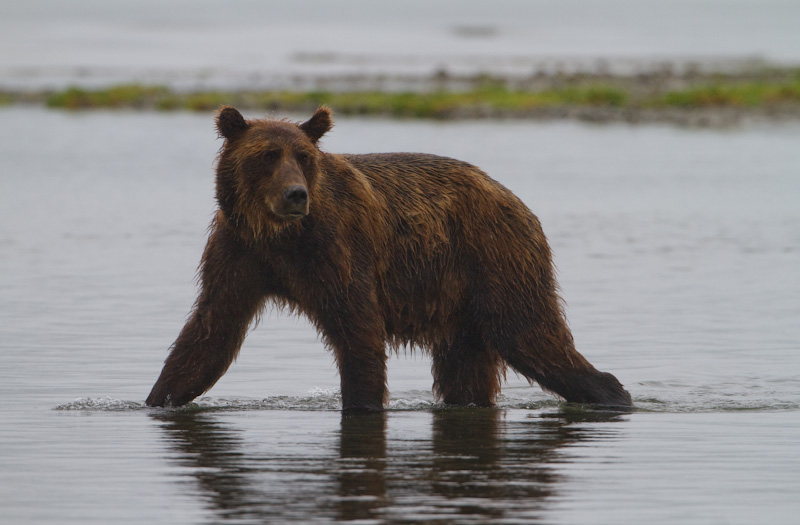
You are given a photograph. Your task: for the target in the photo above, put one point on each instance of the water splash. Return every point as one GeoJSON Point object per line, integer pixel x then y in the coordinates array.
{"type": "Point", "coordinates": [102, 404]}
{"type": "Point", "coordinates": [315, 399]}
{"type": "Point", "coordinates": [756, 394]}
{"type": "Point", "coordinates": [657, 398]}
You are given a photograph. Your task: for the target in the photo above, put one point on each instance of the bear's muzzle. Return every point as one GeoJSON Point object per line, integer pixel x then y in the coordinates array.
{"type": "Point", "coordinates": [295, 201]}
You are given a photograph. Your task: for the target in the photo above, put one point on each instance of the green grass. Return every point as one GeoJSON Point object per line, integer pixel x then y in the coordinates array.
{"type": "Point", "coordinates": [123, 96]}
{"type": "Point", "coordinates": [736, 95]}
{"type": "Point", "coordinates": [485, 99]}
{"type": "Point", "coordinates": [405, 104]}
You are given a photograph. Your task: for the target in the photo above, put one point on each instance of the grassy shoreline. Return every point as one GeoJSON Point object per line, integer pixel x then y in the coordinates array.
{"type": "Point", "coordinates": [688, 99]}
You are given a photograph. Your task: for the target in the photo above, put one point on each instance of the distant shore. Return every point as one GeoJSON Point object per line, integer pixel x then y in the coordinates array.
{"type": "Point", "coordinates": [692, 98]}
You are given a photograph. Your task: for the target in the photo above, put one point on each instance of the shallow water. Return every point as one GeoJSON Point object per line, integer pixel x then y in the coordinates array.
{"type": "Point", "coordinates": [677, 251]}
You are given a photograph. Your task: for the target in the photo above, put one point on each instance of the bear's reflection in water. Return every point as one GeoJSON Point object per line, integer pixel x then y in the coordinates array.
{"type": "Point", "coordinates": [475, 465]}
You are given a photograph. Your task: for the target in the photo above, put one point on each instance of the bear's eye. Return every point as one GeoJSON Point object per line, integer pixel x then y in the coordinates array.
{"type": "Point", "coordinates": [271, 155]}
{"type": "Point", "coordinates": [303, 157]}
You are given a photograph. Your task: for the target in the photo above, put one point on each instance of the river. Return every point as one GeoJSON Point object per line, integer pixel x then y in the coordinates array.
{"type": "Point", "coordinates": [678, 252]}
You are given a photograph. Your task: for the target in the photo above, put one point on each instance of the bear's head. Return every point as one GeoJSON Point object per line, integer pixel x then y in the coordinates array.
{"type": "Point", "coordinates": [268, 169]}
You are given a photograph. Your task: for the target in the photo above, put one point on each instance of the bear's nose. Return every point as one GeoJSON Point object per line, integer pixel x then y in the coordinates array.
{"type": "Point", "coordinates": [296, 195]}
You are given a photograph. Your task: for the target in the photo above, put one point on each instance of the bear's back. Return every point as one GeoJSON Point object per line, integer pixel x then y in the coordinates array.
{"type": "Point", "coordinates": [426, 183]}
{"type": "Point", "coordinates": [413, 170]}
{"type": "Point", "coordinates": [435, 201]}
{"type": "Point", "coordinates": [434, 186]}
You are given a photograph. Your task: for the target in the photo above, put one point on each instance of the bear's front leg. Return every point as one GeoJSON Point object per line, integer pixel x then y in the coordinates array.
{"type": "Point", "coordinates": [356, 335]}
{"type": "Point", "coordinates": [232, 290]}
{"type": "Point", "coordinates": [363, 378]}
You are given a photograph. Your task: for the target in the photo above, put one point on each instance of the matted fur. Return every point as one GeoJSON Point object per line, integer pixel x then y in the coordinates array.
{"type": "Point", "coordinates": [389, 250]}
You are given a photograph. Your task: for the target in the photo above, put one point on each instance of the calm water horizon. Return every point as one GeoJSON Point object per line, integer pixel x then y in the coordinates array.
{"type": "Point", "coordinates": [314, 44]}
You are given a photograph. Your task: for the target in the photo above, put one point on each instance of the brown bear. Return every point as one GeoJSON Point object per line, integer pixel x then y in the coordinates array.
{"type": "Point", "coordinates": [378, 250]}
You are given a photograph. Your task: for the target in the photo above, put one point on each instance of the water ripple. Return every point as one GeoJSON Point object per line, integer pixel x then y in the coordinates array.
{"type": "Point", "coordinates": [330, 400]}
{"type": "Point", "coordinates": [102, 404]}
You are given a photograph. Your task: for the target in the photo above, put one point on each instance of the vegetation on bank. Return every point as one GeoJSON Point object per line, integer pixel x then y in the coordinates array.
{"type": "Point", "coordinates": [405, 104]}
{"type": "Point", "coordinates": [580, 95]}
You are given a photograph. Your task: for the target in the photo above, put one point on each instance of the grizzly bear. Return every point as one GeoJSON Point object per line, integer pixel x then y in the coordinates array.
{"type": "Point", "coordinates": [378, 250]}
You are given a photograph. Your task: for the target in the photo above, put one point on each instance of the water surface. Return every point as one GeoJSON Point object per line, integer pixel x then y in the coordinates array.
{"type": "Point", "coordinates": [677, 251]}
{"type": "Point", "coordinates": [208, 43]}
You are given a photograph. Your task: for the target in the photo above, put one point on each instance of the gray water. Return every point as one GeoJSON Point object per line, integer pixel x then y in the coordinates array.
{"type": "Point", "coordinates": [252, 43]}
{"type": "Point", "coordinates": [678, 254]}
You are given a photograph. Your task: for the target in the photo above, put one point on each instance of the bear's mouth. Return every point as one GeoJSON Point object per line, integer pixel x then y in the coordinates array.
{"type": "Point", "coordinates": [291, 215]}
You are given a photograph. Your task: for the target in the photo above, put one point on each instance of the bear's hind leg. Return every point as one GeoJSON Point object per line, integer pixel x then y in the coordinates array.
{"type": "Point", "coordinates": [560, 369]}
{"type": "Point", "coordinates": [466, 372]}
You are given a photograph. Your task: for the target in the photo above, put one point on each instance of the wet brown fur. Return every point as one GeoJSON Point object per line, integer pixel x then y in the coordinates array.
{"type": "Point", "coordinates": [396, 250]}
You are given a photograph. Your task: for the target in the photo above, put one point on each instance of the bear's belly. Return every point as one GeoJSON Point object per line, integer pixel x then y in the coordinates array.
{"type": "Point", "coordinates": [422, 308]}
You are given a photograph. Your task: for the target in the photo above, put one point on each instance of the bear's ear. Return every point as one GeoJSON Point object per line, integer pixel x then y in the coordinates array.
{"type": "Point", "coordinates": [319, 124]}
{"type": "Point", "coordinates": [230, 123]}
